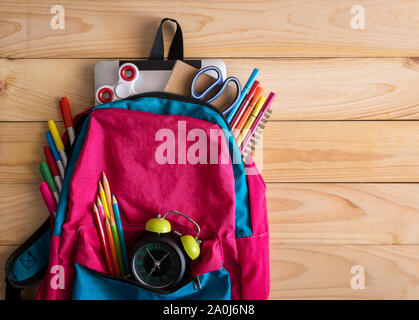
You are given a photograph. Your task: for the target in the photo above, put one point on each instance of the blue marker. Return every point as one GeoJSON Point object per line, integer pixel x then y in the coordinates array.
{"type": "Point", "coordinates": [245, 90]}
{"type": "Point", "coordinates": [120, 232]}
{"type": "Point", "coordinates": [55, 153]}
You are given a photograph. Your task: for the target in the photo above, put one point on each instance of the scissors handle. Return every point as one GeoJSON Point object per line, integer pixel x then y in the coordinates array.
{"type": "Point", "coordinates": [218, 81]}
{"type": "Point", "coordinates": [238, 93]}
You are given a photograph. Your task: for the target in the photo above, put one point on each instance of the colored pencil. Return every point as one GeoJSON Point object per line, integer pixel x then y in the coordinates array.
{"type": "Point", "coordinates": [113, 224]}
{"type": "Point", "coordinates": [104, 202]}
{"type": "Point", "coordinates": [120, 232]}
{"type": "Point", "coordinates": [112, 246]}
{"type": "Point", "coordinates": [101, 234]}
{"type": "Point", "coordinates": [110, 238]}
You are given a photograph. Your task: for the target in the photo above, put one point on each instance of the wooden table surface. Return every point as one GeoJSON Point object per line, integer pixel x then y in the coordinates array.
{"type": "Point", "coordinates": [341, 155]}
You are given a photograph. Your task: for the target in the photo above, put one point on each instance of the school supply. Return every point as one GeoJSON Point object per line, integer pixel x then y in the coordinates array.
{"type": "Point", "coordinates": [246, 89]}
{"type": "Point", "coordinates": [104, 202]}
{"type": "Point", "coordinates": [68, 119]}
{"type": "Point", "coordinates": [102, 239]}
{"type": "Point", "coordinates": [55, 154]}
{"type": "Point", "coordinates": [116, 80]}
{"type": "Point", "coordinates": [170, 253]}
{"type": "Point", "coordinates": [48, 200]}
{"type": "Point", "coordinates": [181, 79]}
{"type": "Point", "coordinates": [246, 114]}
{"type": "Point", "coordinates": [257, 128]}
{"type": "Point", "coordinates": [122, 139]}
{"type": "Point", "coordinates": [219, 82]}
{"type": "Point", "coordinates": [113, 225]}
{"type": "Point", "coordinates": [120, 232]}
{"type": "Point", "coordinates": [48, 178]}
{"type": "Point", "coordinates": [53, 168]}
{"type": "Point", "coordinates": [108, 230]}
{"type": "Point", "coordinates": [58, 142]}
{"type": "Point", "coordinates": [244, 106]}
{"type": "Point", "coordinates": [250, 120]}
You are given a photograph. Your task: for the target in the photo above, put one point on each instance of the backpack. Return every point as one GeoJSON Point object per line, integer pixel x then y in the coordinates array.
{"type": "Point", "coordinates": [147, 145]}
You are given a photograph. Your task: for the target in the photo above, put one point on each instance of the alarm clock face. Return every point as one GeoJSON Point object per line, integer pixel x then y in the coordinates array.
{"type": "Point", "coordinates": [158, 263]}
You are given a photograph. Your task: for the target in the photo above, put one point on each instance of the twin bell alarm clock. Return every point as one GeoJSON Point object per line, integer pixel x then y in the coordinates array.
{"type": "Point", "coordinates": [160, 257]}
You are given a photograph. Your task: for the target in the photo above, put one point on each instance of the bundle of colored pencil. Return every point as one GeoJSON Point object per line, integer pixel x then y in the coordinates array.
{"type": "Point", "coordinates": [111, 236]}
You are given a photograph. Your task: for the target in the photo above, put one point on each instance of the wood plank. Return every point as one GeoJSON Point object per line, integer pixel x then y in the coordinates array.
{"type": "Point", "coordinates": [323, 272]}
{"type": "Point", "coordinates": [22, 211]}
{"type": "Point", "coordinates": [350, 213]}
{"type": "Point", "coordinates": [331, 151]}
{"type": "Point", "coordinates": [336, 151]}
{"type": "Point", "coordinates": [308, 89]}
{"type": "Point", "coordinates": [211, 29]}
{"type": "Point", "coordinates": [299, 213]}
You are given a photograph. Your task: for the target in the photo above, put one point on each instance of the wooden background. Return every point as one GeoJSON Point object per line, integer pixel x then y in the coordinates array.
{"type": "Point", "coordinates": [341, 156]}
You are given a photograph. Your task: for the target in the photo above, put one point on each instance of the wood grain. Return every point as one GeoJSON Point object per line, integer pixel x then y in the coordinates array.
{"type": "Point", "coordinates": [331, 151]}
{"type": "Point", "coordinates": [308, 89]}
{"type": "Point", "coordinates": [234, 28]}
{"type": "Point", "coordinates": [351, 213]}
{"type": "Point", "coordinates": [323, 272]}
{"type": "Point", "coordinates": [22, 211]}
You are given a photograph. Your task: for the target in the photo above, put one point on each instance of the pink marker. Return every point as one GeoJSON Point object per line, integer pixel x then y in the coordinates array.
{"type": "Point", "coordinates": [49, 201]}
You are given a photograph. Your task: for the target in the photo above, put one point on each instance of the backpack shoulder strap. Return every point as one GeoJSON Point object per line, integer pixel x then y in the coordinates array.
{"type": "Point", "coordinates": [28, 262]}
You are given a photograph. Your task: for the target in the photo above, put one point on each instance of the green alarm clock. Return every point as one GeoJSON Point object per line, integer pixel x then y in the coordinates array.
{"type": "Point", "coordinates": [160, 257]}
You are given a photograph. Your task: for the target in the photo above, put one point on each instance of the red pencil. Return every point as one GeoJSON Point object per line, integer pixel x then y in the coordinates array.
{"type": "Point", "coordinates": [101, 233]}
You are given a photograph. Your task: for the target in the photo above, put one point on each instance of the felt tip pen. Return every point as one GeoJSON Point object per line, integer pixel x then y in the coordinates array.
{"type": "Point", "coordinates": [251, 119]}
{"type": "Point", "coordinates": [245, 90]}
{"type": "Point", "coordinates": [53, 167]}
{"type": "Point", "coordinates": [47, 177]}
{"type": "Point", "coordinates": [49, 201]}
{"type": "Point", "coordinates": [58, 142]}
{"type": "Point", "coordinates": [55, 153]}
{"type": "Point", "coordinates": [67, 118]}
{"type": "Point", "coordinates": [244, 105]}
{"type": "Point", "coordinates": [247, 112]}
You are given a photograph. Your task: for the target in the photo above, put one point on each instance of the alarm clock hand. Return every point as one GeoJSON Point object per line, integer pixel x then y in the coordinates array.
{"type": "Point", "coordinates": [152, 270]}
{"type": "Point", "coordinates": [164, 257]}
{"type": "Point", "coordinates": [156, 263]}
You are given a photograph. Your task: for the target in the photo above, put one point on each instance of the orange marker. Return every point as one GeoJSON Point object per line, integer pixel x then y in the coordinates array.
{"type": "Point", "coordinates": [110, 238]}
{"type": "Point", "coordinates": [248, 112]}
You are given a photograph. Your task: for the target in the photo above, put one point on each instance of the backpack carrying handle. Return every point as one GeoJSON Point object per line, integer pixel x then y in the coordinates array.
{"type": "Point", "coordinates": [176, 48]}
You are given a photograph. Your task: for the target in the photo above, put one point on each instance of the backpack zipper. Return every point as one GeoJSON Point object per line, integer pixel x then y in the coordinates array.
{"type": "Point", "coordinates": [177, 97]}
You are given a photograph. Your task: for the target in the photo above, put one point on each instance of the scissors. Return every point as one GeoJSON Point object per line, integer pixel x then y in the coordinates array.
{"type": "Point", "coordinates": [219, 82]}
